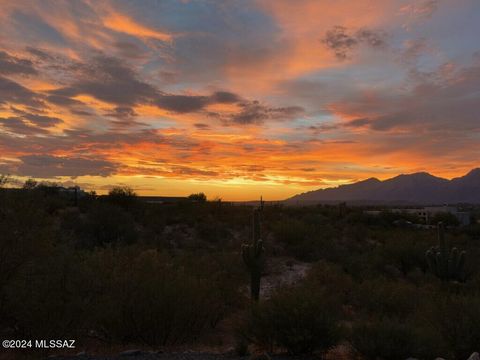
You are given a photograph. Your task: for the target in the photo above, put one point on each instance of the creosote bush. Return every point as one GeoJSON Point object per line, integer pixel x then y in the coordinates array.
{"type": "Point", "coordinates": [393, 339]}
{"type": "Point", "coordinates": [457, 318]}
{"type": "Point", "coordinates": [298, 320]}
{"type": "Point", "coordinates": [150, 299]}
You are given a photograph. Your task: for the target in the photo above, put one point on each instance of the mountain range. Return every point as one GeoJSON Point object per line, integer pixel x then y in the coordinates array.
{"type": "Point", "coordinates": [418, 188]}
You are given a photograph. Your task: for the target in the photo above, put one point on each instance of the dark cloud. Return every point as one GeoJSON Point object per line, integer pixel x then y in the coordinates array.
{"type": "Point", "coordinates": [251, 168]}
{"type": "Point", "coordinates": [182, 103]}
{"type": "Point", "coordinates": [47, 166]}
{"type": "Point", "coordinates": [256, 113]}
{"type": "Point", "coordinates": [113, 81]}
{"type": "Point", "coordinates": [225, 97]}
{"type": "Point", "coordinates": [83, 142]}
{"type": "Point", "coordinates": [28, 124]}
{"type": "Point", "coordinates": [124, 117]}
{"type": "Point", "coordinates": [192, 103]}
{"type": "Point", "coordinates": [185, 170]}
{"type": "Point", "coordinates": [81, 112]}
{"type": "Point", "coordinates": [201, 126]}
{"type": "Point", "coordinates": [19, 126]}
{"type": "Point", "coordinates": [12, 92]}
{"type": "Point", "coordinates": [342, 41]}
{"type": "Point", "coordinates": [63, 100]}
{"type": "Point", "coordinates": [42, 120]}
{"type": "Point", "coordinates": [130, 49]}
{"type": "Point", "coordinates": [372, 38]}
{"type": "Point", "coordinates": [322, 128]}
{"type": "Point", "coordinates": [107, 79]}
{"type": "Point", "coordinates": [122, 112]}
{"type": "Point", "coordinates": [13, 65]}
{"type": "Point", "coordinates": [40, 54]}
{"type": "Point", "coordinates": [361, 122]}
{"type": "Point", "coordinates": [338, 40]}
{"type": "Point", "coordinates": [434, 104]}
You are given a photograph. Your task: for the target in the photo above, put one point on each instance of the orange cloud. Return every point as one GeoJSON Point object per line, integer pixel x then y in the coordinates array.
{"type": "Point", "coordinates": [127, 25]}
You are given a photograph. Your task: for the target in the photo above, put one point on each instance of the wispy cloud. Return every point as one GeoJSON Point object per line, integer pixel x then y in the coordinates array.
{"type": "Point", "coordinates": [272, 97]}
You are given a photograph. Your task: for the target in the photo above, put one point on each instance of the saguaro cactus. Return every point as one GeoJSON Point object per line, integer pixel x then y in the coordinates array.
{"type": "Point", "coordinates": [254, 256]}
{"type": "Point", "coordinates": [446, 264]}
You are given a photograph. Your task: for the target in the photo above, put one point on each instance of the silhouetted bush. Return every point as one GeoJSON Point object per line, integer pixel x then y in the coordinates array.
{"type": "Point", "coordinates": [392, 339]}
{"type": "Point", "coordinates": [457, 317]}
{"type": "Point", "coordinates": [406, 251]}
{"type": "Point", "coordinates": [26, 233]}
{"type": "Point", "coordinates": [50, 298]}
{"type": "Point", "coordinates": [148, 299]}
{"type": "Point", "coordinates": [103, 224]}
{"type": "Point", "coordinates": [213, 231]}
{"type": "Point", "coordinates": [299, 238]}
{"type": "Point", "coordinates": [446, 218]}
{"type": "Point", "coordinates": [198, 197]}
{"type": "Point", "coordinates": [387, 298]}
{"type": "Point", "coordinates": [300, 320]}
{"type": "Point", "coordinates": [123, 196]}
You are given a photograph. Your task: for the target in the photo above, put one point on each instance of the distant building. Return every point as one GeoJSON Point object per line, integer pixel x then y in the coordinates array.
{"type": "Point", "coordinates": [463, 217]}
{"type": "Point", "coordinates": [428, 212]}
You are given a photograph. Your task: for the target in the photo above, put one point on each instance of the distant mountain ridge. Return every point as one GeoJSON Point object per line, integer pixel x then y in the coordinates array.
{"type": "Point", "coordinates": [417, 188]}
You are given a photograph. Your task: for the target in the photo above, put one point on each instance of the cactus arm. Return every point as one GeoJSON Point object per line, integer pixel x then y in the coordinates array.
{"type": "Point", "coordinates": [448, 265]}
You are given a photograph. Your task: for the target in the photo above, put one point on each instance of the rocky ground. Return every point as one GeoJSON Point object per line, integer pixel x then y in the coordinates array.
{"type": "Point", "coordinates": [282, 272]}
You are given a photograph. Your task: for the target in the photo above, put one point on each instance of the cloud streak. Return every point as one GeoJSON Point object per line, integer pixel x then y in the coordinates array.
{"type": "Point", "coordinates": [271, 97]}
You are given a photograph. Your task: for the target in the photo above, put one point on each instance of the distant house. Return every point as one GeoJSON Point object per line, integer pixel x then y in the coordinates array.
{"type": "Point", "coordinates": [463, 217]}
{"type": "Point", "coordinates": [429, 212]}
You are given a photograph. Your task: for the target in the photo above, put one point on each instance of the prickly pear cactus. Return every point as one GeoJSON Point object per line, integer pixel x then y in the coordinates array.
{"type": "Point", "coordinates": [254, 256]}
{"type": "Point", "coordinates": [446, 264]}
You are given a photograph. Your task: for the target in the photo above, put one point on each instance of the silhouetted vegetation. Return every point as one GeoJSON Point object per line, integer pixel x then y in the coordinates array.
{"type": "Point", "coordinates": [200, 197]}
{"type": "Point", "coordinates": [121, 270]}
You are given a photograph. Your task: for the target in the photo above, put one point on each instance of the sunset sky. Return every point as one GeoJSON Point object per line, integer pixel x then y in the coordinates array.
{"type": "Point", "coordinates": [237, 98]}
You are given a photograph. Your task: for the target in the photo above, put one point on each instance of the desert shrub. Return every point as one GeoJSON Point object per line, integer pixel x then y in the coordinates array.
{"type": "Point", "coordinates": [213, 231]}
{"type": "Point", "coordinates": [226, 273]}
{"type": "Point", "coordinates": [123, 196]}
{"type": "Point", "coordinates": [405, 251]}
{"type": "Point", "coordinates": [103, 224]}
{"type": "Point", "coordinates": [393, 339]}
{"type": "Point", "coordinates": [388, 218]}
{"type": "Point", "coordinates": [50, 298]}
{"type": "Point", "coordinates": [146, 298]}
{"type": "Point", "coordinates": [296, 319]}
{"type": "Point", "coordinates": [447, 218]}
{"type": "Point", "coordinates": [292, 231]}
{"type": "Point", "coordinates": [26, 234]}
{"type": "Point", "coordinates": [457, 317]}
{"type": "Point", "coordinates": [198, 197]}
{"type": "Point", "coordinates": [332, 279]}
{"type": "Point", "coordinates": [299, 238]}
{"type": "Point", "coordinates": [386, 298]}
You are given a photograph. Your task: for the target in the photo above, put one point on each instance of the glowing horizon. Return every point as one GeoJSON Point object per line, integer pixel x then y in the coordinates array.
{"type": "Point", "coordinates": [237, 99]}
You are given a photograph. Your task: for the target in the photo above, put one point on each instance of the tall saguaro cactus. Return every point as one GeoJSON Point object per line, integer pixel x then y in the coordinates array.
{"type": "Point", "coordinates": [254, 256]}
{"type": "Point", "coordinates": [446, 264]}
